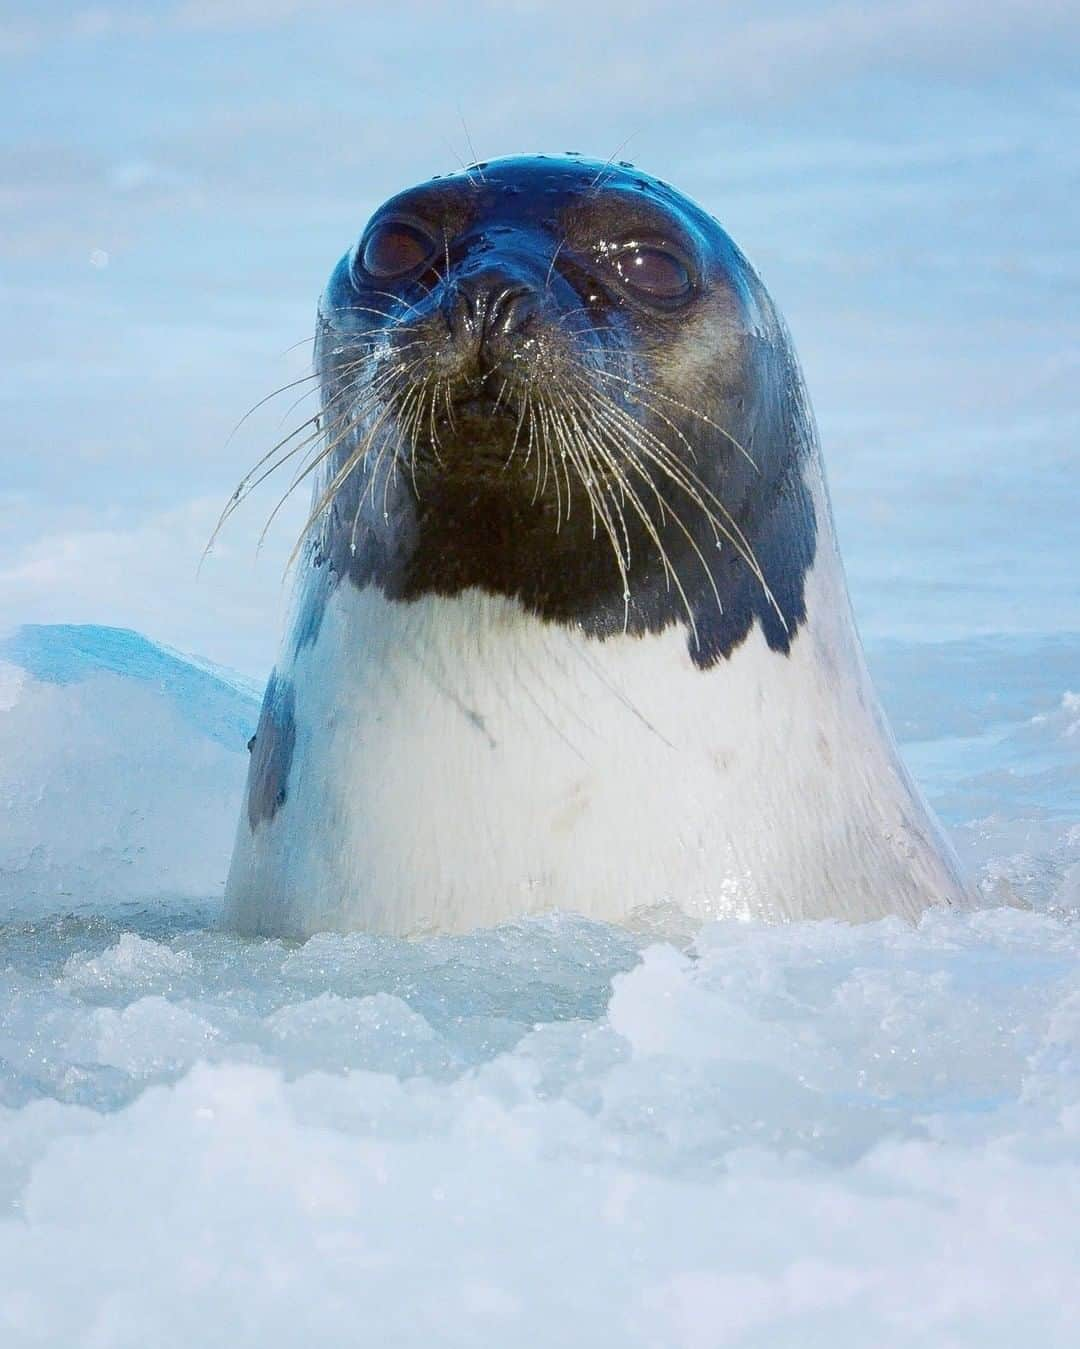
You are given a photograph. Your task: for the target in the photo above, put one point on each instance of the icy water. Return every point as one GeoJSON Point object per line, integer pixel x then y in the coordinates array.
{"type": "Point", "coordinates": [554, 1133]}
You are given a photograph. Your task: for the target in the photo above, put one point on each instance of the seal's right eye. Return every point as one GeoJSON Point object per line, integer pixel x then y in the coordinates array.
{"type": "Point", "coordinates": [394, 249]}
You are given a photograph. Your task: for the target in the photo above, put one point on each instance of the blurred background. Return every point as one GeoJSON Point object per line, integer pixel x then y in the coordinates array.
{"type": "Point", "coordinates": [177, 180]}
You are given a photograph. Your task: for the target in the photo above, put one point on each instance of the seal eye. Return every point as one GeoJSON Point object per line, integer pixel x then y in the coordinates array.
{"type": "Point", "coordinates": [653, 272]}
{"type": "Point", "coordinates": [394, 249]}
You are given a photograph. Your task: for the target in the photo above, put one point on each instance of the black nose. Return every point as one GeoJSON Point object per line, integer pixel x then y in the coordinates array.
{"type": "Point", "coordinates": [488, 304]}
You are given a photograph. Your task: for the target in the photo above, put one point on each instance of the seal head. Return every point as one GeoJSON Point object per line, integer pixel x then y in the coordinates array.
{"type": "Point", "coordinates": [562, 382]}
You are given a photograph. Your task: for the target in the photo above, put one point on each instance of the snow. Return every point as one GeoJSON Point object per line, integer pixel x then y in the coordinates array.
{"type": "Point", "coordinates": [556, 1132]}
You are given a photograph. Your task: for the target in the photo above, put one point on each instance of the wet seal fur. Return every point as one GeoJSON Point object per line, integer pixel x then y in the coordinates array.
{"type": "Point", "coordinates": [570, 626]}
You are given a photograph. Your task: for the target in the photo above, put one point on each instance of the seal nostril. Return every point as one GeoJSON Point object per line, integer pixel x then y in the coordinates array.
{"type": "Point", "coordinates": [460, 310]}
{"type": "Point", "coordinates": [510, 310]}
{"type": "Point", "coordinates": [487, 305]}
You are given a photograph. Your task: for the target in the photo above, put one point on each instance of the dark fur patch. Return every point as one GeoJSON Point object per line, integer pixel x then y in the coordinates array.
{"type": "Point", "coordinates": [272, 752]}
{"type": "Point", "coordinates": [318, 586]}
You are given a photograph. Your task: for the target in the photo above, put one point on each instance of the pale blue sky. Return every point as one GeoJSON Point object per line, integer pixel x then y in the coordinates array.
{"type": "Point", "coordinates": [176, 181]}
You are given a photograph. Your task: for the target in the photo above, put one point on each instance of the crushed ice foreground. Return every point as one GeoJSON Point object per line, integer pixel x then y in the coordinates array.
{"type": "Point", "coordinates": [554, 1133]}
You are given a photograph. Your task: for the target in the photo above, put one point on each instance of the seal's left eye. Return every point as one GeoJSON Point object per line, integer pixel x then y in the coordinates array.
{"type": "Point", "coordinates": [394, 249]}
{"type": "Point", "coordinates": [653, 272]}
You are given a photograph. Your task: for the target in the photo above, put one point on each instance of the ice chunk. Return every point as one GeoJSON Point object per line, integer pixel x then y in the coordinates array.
{"type": "Point", "coordinates": [121, 769]}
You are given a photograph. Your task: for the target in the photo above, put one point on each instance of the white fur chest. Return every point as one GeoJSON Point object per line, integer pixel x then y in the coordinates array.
{"type": "Point", "coordinates": [458, 763]}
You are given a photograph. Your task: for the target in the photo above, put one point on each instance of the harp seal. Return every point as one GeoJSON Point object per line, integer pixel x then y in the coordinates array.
{"type": "Point", "coordinates": [570, 626]}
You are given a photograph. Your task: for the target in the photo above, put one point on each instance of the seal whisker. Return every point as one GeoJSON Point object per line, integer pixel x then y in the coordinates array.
{"type": "Point", "coordinates": [543, 463]}
{"type": "Point", "coordinates": [302, 342]}
{"type": "Point", "coordinates": [610, 430]}
{"type": "Point", "coordinates": [360, 363]}
{"type": "Point", "coordinates": [527, 412]}
{"type": "Point", "coordinates": [336, 435]}
{"type": "Point", "coordinates": [363, 309]}
{"type": "Point", "coordinates": [250, 481]}
{"type": "Point", "coordinates": [410, 407]}
{"type": "Point", "coordinates": [472, 148]}
{"type": "Point", "coordinates": [461, 163]}
{"type": "Point", "coordinates": [650, 407]}
{"type": "Point", "coordinates": [533, 443]}
{"type": "Point", "coordinates": [409, 309]}
{"type": "Point", "coordinates": [728, 527]}
{"type": "Point", "coordinates": [517, 434]}
{"type": "Point", "coordinates": [581, 457]}
{"type": "Point", "coordinates": [337, 481]}
{"type": "Point", "coordinates": [606, 168]}
{"type": "Point", "coordinates": [242, 487]}
{"type": "Point", "coordinates": [433, 428]}
{"type": "Point", "coordinates": [614, 470]}
{"type": "Point", "coordinates": [558, 457]}
{"type": "Point", "coordinates": [551, 265]}
{"type": "Point", "coordinates": [681, 525]}
{"type": "Point", "coordinates": [683, 478]}
{"type": "Point", "coordinates": [304, 379]}
{"type": "Point", "coordinates": [649, 524]}
{"type": "Point", "coordinates": [595, 491]}
{"type": "Point", "coordinates": [389, 440]}
{"type": "Point", "coordinates": [410, 412]}
{"type": "Point", "coordinates": [392, 321]}
{"type": "Point", "coordinates": [544, 448]}
{"type": "Point", "coordinates": [392, 381]}
{"type": "Point", "coordinates": [339, 431]}
{"type": "Point", "coordinates": [449, 409]}
{"type": "Point", "coordinates": [574, 451]}
{"type": "Point", "coordinates": [685, 407]}
{"type": "Point", "coordinates": [414, 425]}
{"type": "Point", "coordinates": [591, 329]}
{"type": "Point", "coordinates": [446, 251]}
{"type": "Point", "coordinates": [693, 486]}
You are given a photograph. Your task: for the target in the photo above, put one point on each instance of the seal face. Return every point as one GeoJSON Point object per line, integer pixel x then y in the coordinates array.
{"type": "Point", "coordinates": [519, 368]}
{"type": "Point", "coordinates": [571, 629]}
